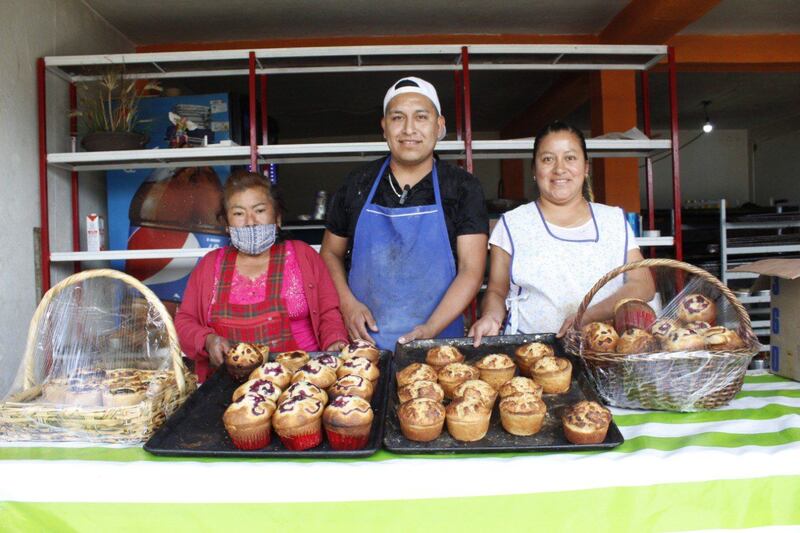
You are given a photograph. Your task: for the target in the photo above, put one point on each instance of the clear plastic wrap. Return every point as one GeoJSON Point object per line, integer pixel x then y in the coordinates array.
{"type": "Point", "coordinates": [102, 364]}
{"type": "Point", "coordinates": [686, 350]}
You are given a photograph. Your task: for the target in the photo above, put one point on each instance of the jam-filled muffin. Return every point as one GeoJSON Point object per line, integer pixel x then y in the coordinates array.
{"type": "Point", "coordinates": [476, 388]}
{"type": "Point", "coordinates": [520, 385]}
{"type": "Point", "coordinates": [496, 369]}
{"type": "Point", "coordinates": [247, 421]}
{"type": "Point", "coordinates": [293, 360]}
{"type": "Point", "coordinates": [586, 423]}
{"type": "Point", "coordinates": [352, 385]}
{"type": "Point", "coordinates": [241, 360]}
{"type": "Point", "coordinates": [468, 419]}
{"type": "Point", "coordinates": [527, 354]}
{"type": "Point", "coordinates": [522, 414]}
{"type": "Point", "coordinates": [440, 356]}
{"type": "Point", "coordinates": [361, 348]}
{"type": "Point", "coordinates": [421, 389]}
{"type": "Point", "coordinates": [298, 422]}
{"type": "Point", "coordinates": [348, 421]}
{"type": "Point", "coordinates": [636, 341]}
{"type": "Point", "coordinates": [265, 388]}
{"type": "Point", "coordinates": [454, 374]}
{"type": "Point", "coordinates": [303, 389]}
{"type": "Point", "coordinates": [314, 372]}
{"type": "Point", "coordinates": [721, 338]}
{"type": "Point", "coordinates": [662, 327]}
{"type": "Point", "coordinates": [421, 419]}
{"type": "Point", "coordinates": [696, 307]}
{"type": "Point", "coordinates": [699, 326]}
{"type": "Point", "coordinates": [600, 337]}
{"type": "Point", "coordinates": [416, 372]}
{"type": "Point", "coordinates": [359, 366]}
{"type": "Point", "coordinates": [274, 372]}
{"type": "Point", "coordinates": [329, 360]}
{"type": "Point", "coordinates": [554, 374]}
{"type": "Point", "coordinates": [683, 339]}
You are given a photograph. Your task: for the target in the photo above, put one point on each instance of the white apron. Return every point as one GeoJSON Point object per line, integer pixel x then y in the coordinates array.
{"type": "Point", "coordinates": [549, 275]}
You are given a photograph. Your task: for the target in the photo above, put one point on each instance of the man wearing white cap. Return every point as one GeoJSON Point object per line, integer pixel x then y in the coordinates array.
{"type": "Point", "coordinates": [413, 229]}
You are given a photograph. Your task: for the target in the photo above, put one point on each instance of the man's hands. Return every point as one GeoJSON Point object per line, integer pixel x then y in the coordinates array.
{"type": "Point", "coordinates": [216, 347]}
{"type": "Point", "coordinates": [357, 318]}
{"type": "Point", "coordinates": [484, 327]}
{"type": "Point", "coordinates": [423, 331]}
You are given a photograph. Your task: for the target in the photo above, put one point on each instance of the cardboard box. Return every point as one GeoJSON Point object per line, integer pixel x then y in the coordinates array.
{"type": "Point", "coordinates": [783, 278]}
{"type": "Point", "coordinates": [95, 233]}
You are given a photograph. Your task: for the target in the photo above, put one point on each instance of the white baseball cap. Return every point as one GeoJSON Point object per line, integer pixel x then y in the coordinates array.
{"type": "Point", "coordinates": [413, 84]}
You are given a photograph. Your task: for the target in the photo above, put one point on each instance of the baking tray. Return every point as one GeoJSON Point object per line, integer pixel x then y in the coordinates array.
{"type": "Point", "coordinates": [549, 438]}
{"type": "Point", "coordinates": [196, 429]}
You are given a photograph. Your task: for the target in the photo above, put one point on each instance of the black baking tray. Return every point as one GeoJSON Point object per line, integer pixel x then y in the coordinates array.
{"type": "Point", "coordinates": [196, 429]}
{"type": "Point", "coordinates": [549, 438]}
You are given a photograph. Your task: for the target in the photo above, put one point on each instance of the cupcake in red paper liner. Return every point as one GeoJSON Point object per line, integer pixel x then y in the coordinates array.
{"type": "Point", "coordinates": [274, 372]}
{"type": "Point", "coordinates": [247, 421]}
{"type": "Point", "coordinates": [348, 421]}
{"type": "Point", "coordinates": [305, 390]}
{"type": "Point", "coordinates": [265, 388]}
{"type": "Point", "coordinates": [298, 423]}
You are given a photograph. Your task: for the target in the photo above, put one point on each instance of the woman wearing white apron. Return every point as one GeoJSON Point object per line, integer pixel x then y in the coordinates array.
{"type": "Point", "coordinates": [546, 255]}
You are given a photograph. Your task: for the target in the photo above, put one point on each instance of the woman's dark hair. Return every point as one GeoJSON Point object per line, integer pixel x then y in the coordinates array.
{"type": "Point", "coordinates": [242, 180]}
{"type": "Point", "coordinates": [558, 126]}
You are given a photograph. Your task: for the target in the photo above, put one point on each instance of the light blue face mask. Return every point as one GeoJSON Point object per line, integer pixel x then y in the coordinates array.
{"type": "Point", "coordinates": [253, 240]}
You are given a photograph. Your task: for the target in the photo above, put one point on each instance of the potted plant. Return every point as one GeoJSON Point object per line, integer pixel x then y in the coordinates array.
{"type": "Point", "coordinates": [109, 111]}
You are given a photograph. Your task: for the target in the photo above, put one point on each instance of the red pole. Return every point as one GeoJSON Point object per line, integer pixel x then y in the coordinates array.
{"type": "Point", "coordinates": [44, 221]}
{"type": "Point", "coordinates": [264, 125]}
{"type": "Point", "coordinates": [252, 97]}
{"type": "Point", "coordinates": [467, 108]}
{"type": "Point", "coordinates": [457, 79]}
{"type": "Point", "coordinates": [676, 173]}
{"type": "Point", "coordinates": [73, 135]}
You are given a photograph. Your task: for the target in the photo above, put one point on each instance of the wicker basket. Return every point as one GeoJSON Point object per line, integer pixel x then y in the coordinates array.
{"type": "Point", "coordinates": [674, 381]}
{"type": "Point", "coordinates": [23, 420]}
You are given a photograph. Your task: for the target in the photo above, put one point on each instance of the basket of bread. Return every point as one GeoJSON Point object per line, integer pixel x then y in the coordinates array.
{"type": "Point", "coordinates": [101, 364]}
{"type": "Point", "coordinates": [686, 350]}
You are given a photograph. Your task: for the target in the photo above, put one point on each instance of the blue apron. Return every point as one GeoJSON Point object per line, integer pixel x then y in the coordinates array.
{"type": "Point", "coordinates": [402, 265]}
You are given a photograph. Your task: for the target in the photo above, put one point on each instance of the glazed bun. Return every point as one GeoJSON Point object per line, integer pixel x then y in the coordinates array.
{"type": "Point", "coordinates": [720, 338]}
{"type": "Point", "coordinates": [636, 341]}
{"type": "Point", "coordinates": [683, 340]}
{"type": "Point", "coordinates": [696, 307]}
{"type": "Point", "coordinates": [600, 337]}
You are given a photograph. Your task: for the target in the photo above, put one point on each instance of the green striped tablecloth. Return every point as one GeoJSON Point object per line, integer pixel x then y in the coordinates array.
{"type": "Point", "coordinates": [732, 468]}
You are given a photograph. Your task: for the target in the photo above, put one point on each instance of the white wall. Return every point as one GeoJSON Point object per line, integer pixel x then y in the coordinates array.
{"type": "Point", "coordinates": [777, 169]}
{"type": "Point", "coordinates": [714, 166]}
{"type": "Point", "coordinates": [30, 29]}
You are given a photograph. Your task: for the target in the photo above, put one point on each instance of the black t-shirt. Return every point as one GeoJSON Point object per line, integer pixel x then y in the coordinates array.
{"type": "Point", "coordinates": [462, 199]}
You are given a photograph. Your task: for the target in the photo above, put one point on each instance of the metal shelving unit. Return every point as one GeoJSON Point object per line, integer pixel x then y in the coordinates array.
{"type": "Point", "coordinates": [259, 63]}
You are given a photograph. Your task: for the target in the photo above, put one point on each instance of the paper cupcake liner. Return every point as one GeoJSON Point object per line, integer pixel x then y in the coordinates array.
{"type": "Point", "coordinates": [340, 441]}
{"type": "Point", "coordinates": [302, 442]}
{"type": "Point", "coordinates": [253, 441]}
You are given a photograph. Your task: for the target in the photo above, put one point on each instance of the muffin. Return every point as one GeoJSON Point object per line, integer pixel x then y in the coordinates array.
{"type": "Point", "coordinates": [662, 327]}
{"type": "Point", "coordinates": [600, 337]}
{"type": "Point", "coordinates": [421, 389]}
{"type": "Point", "coordinates": [292, 360]}
{"type": "Point", "coordinates": [298, 423]}
{"type": "Point", "coordinates": [683, 340]}
{"type": "Point", "coordinates": [496, 369]}
{"type": "Point", "coordinates": [303, 389]}
{"type": "Point", "coordinates": [586, 423]}
{"type": "Point", "coordinates": [721, 338]}
{"type": "Point", "coordinates": [476, 388]}
{"type": "Point", "coordinates": [347, 422]}
{"type": "Point", "coordinates": [359, 366]}
{"type": "Point", "coordinates": [361, 348]}
{"type": "Point", "coordinates": [636, 341]}
{"type": "Point", "coordinates": [696, 307]}
{"type": "Point", "coordinates": [352, 385]}
{"type": "Point", "coordinates": [554, 374]}
{"type": "Point", "coordinates": [247, 421]}
{"type": "Point", "coordinates": [241, 360]}
{"type": "Point", "coordinates": [274, 372]}
{"type": "Point", "coordinates": [263, 349]}
{"type": "Point", "coordinates": [331, 361]}
{"type": "Point", "coordinates": [314, 372]}
{"type": "Point", "coordinates": [265, 388]}
{"type": "Point", "coordinates": [421, 419]}
{"type": "Point", "coordinates": [416, 372]}
{"type": "Point", "coordinates": [698, 326]}
{"type": "Point", "coordinates": [527, 354]}
{"type": "Point", "coordinates": [522, 414]}
{"type": "Point", "coordinates": [520, 385]}
{"type": "Point", "coordinates": [454, 374]}
{"type": "Point", "coordinates": [440, 356]}
{"type": "Point", "coordinates": [633, 313]}
{"type": "Point", "coordinates": [467, 419]}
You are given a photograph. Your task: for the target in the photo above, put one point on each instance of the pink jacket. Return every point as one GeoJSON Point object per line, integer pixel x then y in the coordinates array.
{"type": "Point", "coordinates": [323, 305]}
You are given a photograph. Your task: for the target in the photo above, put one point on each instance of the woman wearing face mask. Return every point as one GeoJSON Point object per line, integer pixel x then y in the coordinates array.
{"type": "Point", "coordinates": [546, 255]}
{"type": "Point", "coordinates": [260, 289]}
